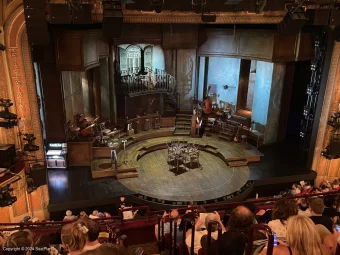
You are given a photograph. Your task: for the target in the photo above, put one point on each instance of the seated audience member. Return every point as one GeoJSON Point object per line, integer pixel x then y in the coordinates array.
{"type": "Point", "coordinates": [331, 241]}
{"type": "Point", "coordinates": [303, 207]}
{"type": "Point", "coordinates": [19, 239]}
{"type": "Point", "coordinates": [335, 185]}
{"type": "Point", "coordinates": [283, 209]}
{"type": "Point", "coordinates": [174, 215]}
{"type": "Point", "coordinates": [302, 239]}
{"type": "Point", "coordinates": [105, 249]}
{"type": "Point", "coordinates": [241, 218]}
{"type": "Point", "coordinates": [307, 188]}
{"type": "Point", "coordinates": [43, 243]}
{"type": "Point", "coordinates": [233, 243]}
{"type": "Point", "coordinates": [83, 214]}
{"type": "Point", "coordinates": [94, 215]}
{"type": "Point", "coordinates": [199, 234]}
{"type": "Point", "coordinates": [329, 210]}
{"type": "Point", "coordinates": [92, 234]}
{"type": "Point", "coordinates": [73, 237]}
{"type": "Point", "coordinates": [69, 216]}
{"type": "Point", "coordinates": [316, 209]}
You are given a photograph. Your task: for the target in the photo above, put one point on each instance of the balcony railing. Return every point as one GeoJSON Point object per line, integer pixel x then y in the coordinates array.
{"type": "Point", "coordinates": [135, 82]}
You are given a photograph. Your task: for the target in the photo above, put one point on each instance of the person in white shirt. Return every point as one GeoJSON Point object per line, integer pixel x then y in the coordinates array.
{"type": "Point", "coordinates": [69, 216]}
{"type": "Point", "coordinates": [199, 234]}
{"type": "Point", "coordinates": [94, 215]}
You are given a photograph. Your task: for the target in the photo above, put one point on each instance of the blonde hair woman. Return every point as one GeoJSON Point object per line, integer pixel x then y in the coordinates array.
{"type": "Point", "coordinates": [73, 237]}
{"type": "Point", "coordinates": [302, 239]}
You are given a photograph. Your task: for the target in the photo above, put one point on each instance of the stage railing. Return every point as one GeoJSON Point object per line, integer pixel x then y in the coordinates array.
{"type": "Point", "coordinates": [153, 214]}
{"type": "Point", "coordinates": [154, 81]}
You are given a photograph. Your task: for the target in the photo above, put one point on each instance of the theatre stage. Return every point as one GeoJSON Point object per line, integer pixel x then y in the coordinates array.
{"type": "Point", "coordinates": [273, 165]}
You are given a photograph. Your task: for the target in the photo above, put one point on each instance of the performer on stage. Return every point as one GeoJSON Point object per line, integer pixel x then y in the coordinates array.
{"type": "Point", "coordinates": [198, 124]}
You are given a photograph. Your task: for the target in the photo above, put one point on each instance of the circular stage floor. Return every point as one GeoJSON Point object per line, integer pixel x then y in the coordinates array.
{"type": "Point", "coordinates": [214, 179]}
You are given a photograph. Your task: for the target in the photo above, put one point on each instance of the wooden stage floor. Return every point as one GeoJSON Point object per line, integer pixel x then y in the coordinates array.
{"type": "Point", "coordinates": [75, 188]}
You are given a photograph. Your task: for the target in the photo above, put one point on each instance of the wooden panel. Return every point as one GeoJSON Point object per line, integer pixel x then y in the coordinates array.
{"type": "Point", "coordinates": [35, 198]}
{"type": "Point", "coordinates": [69, 50]}
{"type": "Point", "coordinates": [5, 216]}
{"type": "Point", "coordinates": [79, 154]}
{"type": "Point", "coordinates": [218, 43]}
{"type": "Point", "coordinates": [103, 47]}
{"type": "Point", "coordinates": [284, 47]}
{"type": "Point", "coordinates": [180, 36]}
{"type": "Point", "coordinates": [91, 55]}
{"type": "Point", "coordinates": [256, 45]}
{"type": "Point", "coordinates": [168, 122]}
{"type": "Point", "coordinates": [306, 50]}
{"type": "Point", "coordinates": [53, 103]}
{"type": "Point", "coordinates": [20, 206]}
{"type": "Point", "coordinates": [140, 33]}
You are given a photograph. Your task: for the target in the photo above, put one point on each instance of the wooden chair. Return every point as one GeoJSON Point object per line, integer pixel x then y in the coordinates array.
{"type": "Point", "coordinates": [194, 158]}
{"type": "Point", "coordinates": [157, 123]}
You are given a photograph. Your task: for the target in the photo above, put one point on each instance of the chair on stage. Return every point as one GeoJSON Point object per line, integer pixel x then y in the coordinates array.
{"type": "Point", "coordinates": [194, 158]}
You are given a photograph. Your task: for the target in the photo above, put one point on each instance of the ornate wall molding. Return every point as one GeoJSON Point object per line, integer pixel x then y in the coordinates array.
{"type": "Point", "coordinates": [328, 169]}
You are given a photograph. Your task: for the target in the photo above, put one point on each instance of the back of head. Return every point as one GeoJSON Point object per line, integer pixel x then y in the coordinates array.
{"type": "Point", "coordinates": [317, 205]}
{"type": "Point", "coordinates": [68, 213]}
{"type": "Point", "coordinates": [174, 214]}
{"type": "Point", "coordinates": [18, 240]}
{"type": "Point", "coordinates": [329, 201]}
{"type": "Point", "coordinates": [284, 208]}
{"type": "Point", "coordinates": [302, 236]}
{"type": "Point", "coordinates": [211, 217]}
{"type": "Point", "coordinates": [105, 249]}
{"type": "Point", "coordinates": [73, 236]}
{"type": "Point", "coordinates": [234, 243]}
{"type": "Point", "coordinates": [241, 218]}
{"type": "Point", "coordinates": [43, 242]}
{"type": "Point", "coordinates": [93, 228]}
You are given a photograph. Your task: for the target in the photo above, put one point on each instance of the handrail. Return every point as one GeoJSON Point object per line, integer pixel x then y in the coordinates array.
{"type": "Point", "coordinates": [270, 235]}
{"type": "Point", "coordinates": [192, 208]}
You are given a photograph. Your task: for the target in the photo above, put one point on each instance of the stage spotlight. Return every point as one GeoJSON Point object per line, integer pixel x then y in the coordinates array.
{"type": "Point", "coordinates": [6, 199]}
{"type": "Point", "coordinates": [30, 146]}
{"type": "Point", "coordinates": [30, 186]}
{"type": "Point", "coordinates": [2, 47]}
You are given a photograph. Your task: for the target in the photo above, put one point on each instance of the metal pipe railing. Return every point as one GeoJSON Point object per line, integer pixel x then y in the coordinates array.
{"type": "Point", "coordinates": [219, 238]}
{"type": "Point", "coordinates": [270, 247]}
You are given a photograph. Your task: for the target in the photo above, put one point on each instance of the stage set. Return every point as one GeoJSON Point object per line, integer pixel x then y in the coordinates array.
{"type": "Point", "coordinates": [183, 125]}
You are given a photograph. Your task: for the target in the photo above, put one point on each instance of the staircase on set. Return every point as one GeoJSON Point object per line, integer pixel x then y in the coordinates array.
{"type": "Point", "coordinates": [183, 124]}
{"type": "Point", "coordinates": [229, 130]}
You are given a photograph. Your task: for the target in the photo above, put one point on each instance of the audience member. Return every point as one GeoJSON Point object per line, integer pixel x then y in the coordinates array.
{"type": "Point", "coordinates": [302, 239]}
{"type": "Point", "coordinates": [105, 249]}
{"type": "Point", "coordinates": [241, 218]}
{"type": "Point", "coordinates": [16, 241]}
{"type": "Point", "coordinates": [73, 237]}
{"type": "Point", "coordinates": [174, 215]}
{"type": "Point", "coordinates": [42, 246]}
{"type": "Point", "coordinates": [83, 214]}
{"type": "Point", "coordinates": [233, 244]}
{"type": "Point", "coordinates": [316, 209]}
{"type": "Point", "coordinates": [122, 203]}
{"type": "Point", "coordinates": [329, 210]}
{"type": "Point", "coordinates": [303, 207]}
{"type": "Point", "coordinates": [335, 185]}
{"type": "Point", "coordinates": [94, 215]}
{"type": "Point", "coordinates": [283, 209]}
{"type": "Point", "coordinates": [92, 234]}
{"type": "Point", "coordinates": [69, 216]}
{"type": "Point", "coordinates": [211, 217]}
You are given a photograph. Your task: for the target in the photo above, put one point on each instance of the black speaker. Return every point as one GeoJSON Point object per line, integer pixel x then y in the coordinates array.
{"type": "Point", "coordinates": [39, 174]}
{"type": "Point", "coordinates": [82, 15]}
{"type": "Point", "coordinates": [7, 155]}
{"type": "Point", "coordinates": [335, 18]}
{"type": "Point", "coordinates": [293, 22]}
{"type": "Point", "coordinates": [113, 23]}
{"type": "Point", "coordinates": [60, 14]}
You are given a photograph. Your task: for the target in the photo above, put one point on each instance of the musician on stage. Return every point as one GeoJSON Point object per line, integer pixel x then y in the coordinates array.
{"type": "Point", "coordinates": [199, 121]}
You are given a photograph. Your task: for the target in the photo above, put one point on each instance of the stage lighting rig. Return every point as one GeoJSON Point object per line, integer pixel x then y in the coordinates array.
{"type": "Point", "coordinates": [30, 146]}
{"type": "Point", "coordinates": [6, 199]}
{"type": "Point", "coordinates": [30, 185]}
{"type": "Point", "coordinates": [7, 119]}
